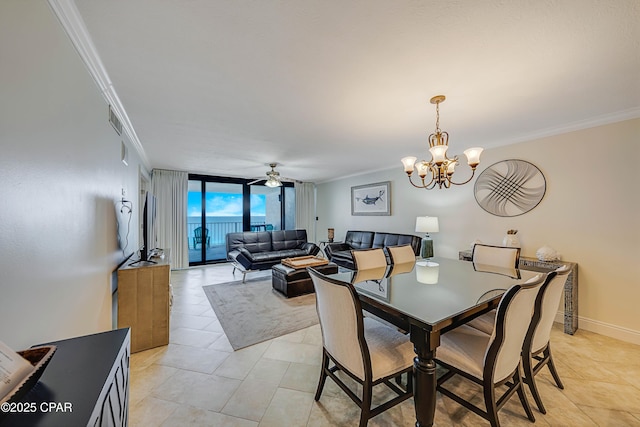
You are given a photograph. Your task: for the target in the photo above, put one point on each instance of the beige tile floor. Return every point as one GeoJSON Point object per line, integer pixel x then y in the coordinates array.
{"type": "Point", "coordinates": [199, 380]}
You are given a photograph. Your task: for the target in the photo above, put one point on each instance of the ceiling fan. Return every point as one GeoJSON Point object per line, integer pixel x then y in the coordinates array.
{"type": "Point", "coordinates": [273, 177]}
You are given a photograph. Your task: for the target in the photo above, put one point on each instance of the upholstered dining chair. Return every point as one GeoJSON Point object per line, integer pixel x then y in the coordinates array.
{"type": "Point", "coordinates": [368, 351]}
{"type": "Point", "coordinates": [501, 256]}
{"type": "Point", "coordinates": [365, 259]}
{"type": "Point", "coordinates": [492, 360]}
{"type": "Point", "coordinates": [536, 348]}
{"type": "Point", "coordinates": [401, 254]}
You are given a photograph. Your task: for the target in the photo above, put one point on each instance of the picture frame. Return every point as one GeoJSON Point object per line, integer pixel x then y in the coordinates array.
{"type": "Point", "coordinates": [371, 199]}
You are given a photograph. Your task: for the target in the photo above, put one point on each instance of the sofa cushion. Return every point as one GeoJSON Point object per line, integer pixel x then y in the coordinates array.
{"type": "Point", "coordinates": [359, 239]}
{"type": "Point", "coordinates": [383, 240]}
{"type": "Point", "coordinates": [288, 239]}
{"type": "Point", "coordinates": [252, 241]}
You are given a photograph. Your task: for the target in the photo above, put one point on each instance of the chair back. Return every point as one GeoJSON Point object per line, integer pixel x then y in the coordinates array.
{"type": "Point", "coordinates": [365, 259]}
{"type": "Point", "coordinates": [547, 304]}
{"type": "Point", "coordinates": [363, 275]}
{"type": "Point", "coordinates": [501, 256]}
{"type": "Point", "coordinates": [513, 318]}
{"type": "Point", "coordinates": [341, 322]}
{"type": "Point", "coordinates": [401, 254]}
{"type": "Point", "coordinates": [197, 232]}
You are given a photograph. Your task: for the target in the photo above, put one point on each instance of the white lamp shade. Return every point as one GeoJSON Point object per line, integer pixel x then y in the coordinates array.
{"type": "Point", "coordinates": [473, 155]}
{"type": "Point", "coordinates": [423, 169]}
{"type": "Point", "coordinates": [408, 163]}
{"type": "Point", "coordinates": [439, 153]}
{"type": "Point", "coordinates": [427, 224]}
{"type": "Point", "coordinates": [451, 168]}
{"type": "Point", "coordinates": [427, 272]}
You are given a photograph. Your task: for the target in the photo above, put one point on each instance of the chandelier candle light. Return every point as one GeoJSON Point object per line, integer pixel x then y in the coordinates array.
{"type": "Point", "coordinates": [440, 167]}
{"type": "Point", "coordinates": [427, 224]}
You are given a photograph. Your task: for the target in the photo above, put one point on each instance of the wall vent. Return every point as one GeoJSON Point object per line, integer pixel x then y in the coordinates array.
{"type": "Point", "coordinates": [115, 121]}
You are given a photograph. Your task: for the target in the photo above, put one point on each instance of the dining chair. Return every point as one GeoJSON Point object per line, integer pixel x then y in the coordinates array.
{"type": "Point", "coordinates": [537, 343]}
{"type": "Point", "coordinates": [492, 361]}
{"type": "Point", "coordinates": [502, 256]}
{"type": "Point", "coordinates": [401, 254]}
{"type": "Point", "coordinates": [368, 351]}
{"type": "Point", "coordinates": [364, 274]}
{"type": "Point", "coordinates": [365, 259]}
{"type": "Point", "coordinates": [536, 347]}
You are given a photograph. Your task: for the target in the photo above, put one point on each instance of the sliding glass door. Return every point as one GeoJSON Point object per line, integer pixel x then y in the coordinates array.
{"type": "Point", "coordinates": [218, 205]}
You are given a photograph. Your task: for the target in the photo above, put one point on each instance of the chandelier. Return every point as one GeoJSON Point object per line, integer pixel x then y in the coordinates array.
{"type": "Point", "coordinates": [440, 168]}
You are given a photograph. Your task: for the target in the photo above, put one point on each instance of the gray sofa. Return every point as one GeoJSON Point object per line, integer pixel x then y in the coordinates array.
{"type": "Point", "coordinates": [263, 249]}
{"type": "Point", "coordinates": [340, 253]}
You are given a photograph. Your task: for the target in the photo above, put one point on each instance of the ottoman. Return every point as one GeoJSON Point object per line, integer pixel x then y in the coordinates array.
{"type": "Point", "coordinates": [293, 282]}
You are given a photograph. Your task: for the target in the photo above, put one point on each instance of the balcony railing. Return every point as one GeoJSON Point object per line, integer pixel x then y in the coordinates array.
{"type": "Point", "coordinates": [217, 230]}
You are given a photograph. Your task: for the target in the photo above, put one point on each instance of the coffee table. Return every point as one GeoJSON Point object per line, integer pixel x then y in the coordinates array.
{"type": "Point", "coordinates": [293, 282]}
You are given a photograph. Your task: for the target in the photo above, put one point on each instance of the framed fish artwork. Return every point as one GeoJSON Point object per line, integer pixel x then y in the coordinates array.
{"type": "Point", "coordinates": [371, 199]}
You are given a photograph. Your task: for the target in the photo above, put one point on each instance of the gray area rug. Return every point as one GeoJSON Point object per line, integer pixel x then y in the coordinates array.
{"type": "Point", "coordinates": [253, 312]}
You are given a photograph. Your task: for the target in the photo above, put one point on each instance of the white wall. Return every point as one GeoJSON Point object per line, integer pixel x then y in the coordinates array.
{"type": "Point", "coordinates": [61, 177]}
{"type": "Point", "coordinates": [589, 214]}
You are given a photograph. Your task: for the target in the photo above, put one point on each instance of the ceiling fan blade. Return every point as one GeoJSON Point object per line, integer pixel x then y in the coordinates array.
{"type": "Point", "coordinates": [257, 180]}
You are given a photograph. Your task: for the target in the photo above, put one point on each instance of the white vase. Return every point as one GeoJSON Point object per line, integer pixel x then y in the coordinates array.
{"type": "Point", "coordinates": [511, 240]}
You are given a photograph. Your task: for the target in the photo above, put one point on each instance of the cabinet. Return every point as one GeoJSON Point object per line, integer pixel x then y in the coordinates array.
{"type": "Point", "coordinates": [570, 288]}
{"type": "Point", "coordinates": [143, 302]}
{"type": "Point", "coordinates": [87, 380]}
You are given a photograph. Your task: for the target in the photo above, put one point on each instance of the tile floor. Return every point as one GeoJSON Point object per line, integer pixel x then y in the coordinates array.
{"type": "Point", "coordinates": [199, 380]}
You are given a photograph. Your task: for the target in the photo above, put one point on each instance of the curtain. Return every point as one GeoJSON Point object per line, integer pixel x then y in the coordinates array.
{"type": "Point", "coordinates": [306, 208]}
{"type": "Point", "coordinates": [170, 189]}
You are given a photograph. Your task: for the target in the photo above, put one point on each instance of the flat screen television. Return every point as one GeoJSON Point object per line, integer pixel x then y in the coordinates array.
{"type": "Point", "coordinates": [148, 227]}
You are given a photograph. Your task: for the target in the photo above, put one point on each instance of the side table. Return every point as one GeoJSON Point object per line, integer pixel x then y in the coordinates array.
{"type": "Point", "coordinates": [570, 288]}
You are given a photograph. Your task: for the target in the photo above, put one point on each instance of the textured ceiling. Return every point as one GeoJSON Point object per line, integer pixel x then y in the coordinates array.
{"type": "Point", "coordinates": [334, 88]}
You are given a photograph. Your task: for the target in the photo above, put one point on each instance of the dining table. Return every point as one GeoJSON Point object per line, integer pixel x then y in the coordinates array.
{"type": "Point", "coordinates": [426, 299]}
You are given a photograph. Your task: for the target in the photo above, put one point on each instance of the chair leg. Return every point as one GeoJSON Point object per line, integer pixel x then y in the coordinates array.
{"type": "Point", "coordinates": [323, 374]}
{"type": "Point", "coordinates": [528, 378]}
{"type": "Point", "coordinates": [523, 398]}
{"type": "Point", "coordinates": [552, 367]}
{"type": "Point", "coordinates": [490, 403]}
{"type": "Point", "coordinates": [365, 409]}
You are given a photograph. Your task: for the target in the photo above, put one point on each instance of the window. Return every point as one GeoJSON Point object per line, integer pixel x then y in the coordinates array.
{"type": "Point", "coordinates": [218, 205]}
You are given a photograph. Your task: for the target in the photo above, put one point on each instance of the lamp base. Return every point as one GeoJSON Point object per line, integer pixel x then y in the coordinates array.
{"type": "Point", "coordinates": [426, 250]}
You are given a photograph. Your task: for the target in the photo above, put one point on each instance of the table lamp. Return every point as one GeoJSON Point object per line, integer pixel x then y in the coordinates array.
{"type": "Point", "coordinates": [427, 224]}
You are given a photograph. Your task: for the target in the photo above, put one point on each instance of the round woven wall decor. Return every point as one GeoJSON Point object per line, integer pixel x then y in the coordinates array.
{"type": "Point", "coordinates": [510, 188]}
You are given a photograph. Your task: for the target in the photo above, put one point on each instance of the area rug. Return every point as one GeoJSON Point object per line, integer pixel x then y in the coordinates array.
{"type": "Point", "coordinates": [253, 312]}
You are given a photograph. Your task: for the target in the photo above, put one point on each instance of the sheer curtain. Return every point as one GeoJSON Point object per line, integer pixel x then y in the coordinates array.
{"type": "Point", "coordinates": [170, 189]}
{"type": "Point", "coordinates": [306, 208]}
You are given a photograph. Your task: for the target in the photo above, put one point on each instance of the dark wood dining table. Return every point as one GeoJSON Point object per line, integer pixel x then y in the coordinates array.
{"type": "Point", "coordinates": [427, 300]}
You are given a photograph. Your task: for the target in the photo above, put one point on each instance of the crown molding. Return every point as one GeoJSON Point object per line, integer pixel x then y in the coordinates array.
{"type": "Point", "coordinates": [69, 16]}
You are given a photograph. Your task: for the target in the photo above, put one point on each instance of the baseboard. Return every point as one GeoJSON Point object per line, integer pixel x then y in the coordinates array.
{"type": "Point", "coordinates": [606, 329]}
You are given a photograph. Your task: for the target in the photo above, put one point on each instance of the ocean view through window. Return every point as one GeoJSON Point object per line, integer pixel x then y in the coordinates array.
{"type": "Point", "coordinates": [217, 208]}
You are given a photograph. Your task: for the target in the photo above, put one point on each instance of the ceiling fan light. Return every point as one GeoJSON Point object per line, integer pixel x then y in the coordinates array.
{"type": "Point", "coordinates": [271, 182]}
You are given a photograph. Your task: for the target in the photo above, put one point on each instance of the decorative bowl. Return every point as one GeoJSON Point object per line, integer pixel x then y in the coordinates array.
{"type": "Point", "coordinates": [39, 357]}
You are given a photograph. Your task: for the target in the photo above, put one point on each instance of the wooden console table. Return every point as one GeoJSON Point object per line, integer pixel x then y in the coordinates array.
{"type": "Point", "coordinates": [143, 302]}
{"type": "Point", "coordinates": [570, 288]}
{"type": "Point", "coordinates": [86, 383]}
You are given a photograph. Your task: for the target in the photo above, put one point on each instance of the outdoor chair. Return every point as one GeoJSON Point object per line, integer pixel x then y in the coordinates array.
{"type": "Point", "coordinates": [198, 237]}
